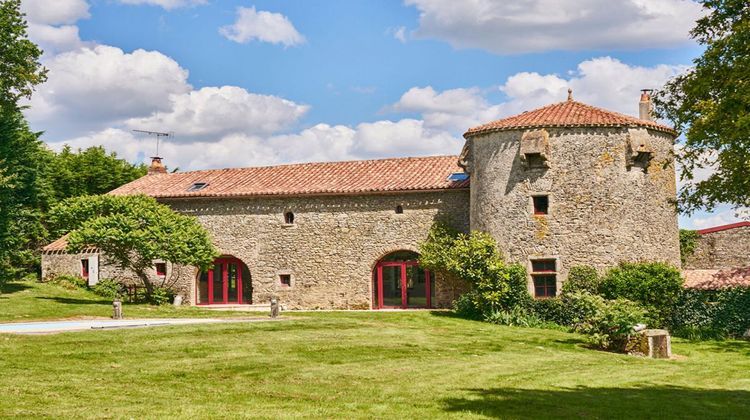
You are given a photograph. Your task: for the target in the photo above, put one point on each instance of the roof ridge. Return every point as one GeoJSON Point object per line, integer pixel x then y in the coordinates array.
{"type": "Point", "coordinates": [330, 162]}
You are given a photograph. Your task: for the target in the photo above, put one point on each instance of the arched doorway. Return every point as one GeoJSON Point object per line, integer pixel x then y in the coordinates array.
{"type": "Point", "coordinates": [228, 282]}
{"type": "Point", "coordinates": [399, 282]}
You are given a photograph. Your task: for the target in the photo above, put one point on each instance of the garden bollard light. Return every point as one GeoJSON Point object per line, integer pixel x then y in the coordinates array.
{"type": "Point", "coordinates": [116, 309]}
{"type": "Point", "coordinates": [274, 308]}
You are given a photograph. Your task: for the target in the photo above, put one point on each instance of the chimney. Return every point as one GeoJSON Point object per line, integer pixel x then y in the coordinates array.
{"type": "Point", "coordinates": [644, 106]}
{"type": "Point", "coordinates": [156, 166]}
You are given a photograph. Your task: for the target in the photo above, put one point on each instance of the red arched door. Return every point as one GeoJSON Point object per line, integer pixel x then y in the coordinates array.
{"type": "Point", "coordinates": [399, 282]}
{"type": "Point", "coordinates": [227, 282]}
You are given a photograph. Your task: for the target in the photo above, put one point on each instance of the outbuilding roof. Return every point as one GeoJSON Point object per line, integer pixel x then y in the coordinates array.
{"type": "Point", "coordinates": [723, 227]}
{"type": "Point", "coordinates": [717, 279]}
{"type": "Point", "coordinates": [327, 178]}
{"type": "Point", "coordinates": [569, 113]}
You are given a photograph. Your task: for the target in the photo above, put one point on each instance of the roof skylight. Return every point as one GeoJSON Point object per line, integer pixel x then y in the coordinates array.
{"type": "Point", "coordinates": [197, 186]}
{"type": "Point", "coordinates": [458, 176]}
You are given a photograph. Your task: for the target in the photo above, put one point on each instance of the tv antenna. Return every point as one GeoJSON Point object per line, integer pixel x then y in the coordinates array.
{"type": "Point", "coordinates": [158, 136]}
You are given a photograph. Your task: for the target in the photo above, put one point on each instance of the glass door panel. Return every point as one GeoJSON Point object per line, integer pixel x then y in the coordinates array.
{"type": "Point", "coordinates": [392, 286]}
{"type": "Point", "coordinates": [218, 284]}
{"type": "Point", "coordinates": [416, 287]}
{"type": "Point", "coordinates": [232, 282]}
{"type": "Point", "coordinates": [203, 288]}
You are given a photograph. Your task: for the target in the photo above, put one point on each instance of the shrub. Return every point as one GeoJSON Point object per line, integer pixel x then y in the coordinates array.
{"type": "Point", "coordinates": [519, 317]}
{"type": "Point", "coordinates": [69, 282]}
{"type": "Point", "coordinates": [688, 241]}
{"type": "Point", "coordinates": [466, 307]}
{"type": "Point", "coordinates": [611, 324]}
{"type": "Point", "coordinates": [656, 286]}
{"type": "Point", "coordinates": [712, 314]}
{"type": "Point", "coordinates": [582, 278]}
{"type": "Point", "coordinates": [551, 310]}
{"type": "Point", "coordinates": [109, 289]}
{"type": "Point", "coordinates": [161, 296]}
{"type": "Point", "coordinates": [474, 258]}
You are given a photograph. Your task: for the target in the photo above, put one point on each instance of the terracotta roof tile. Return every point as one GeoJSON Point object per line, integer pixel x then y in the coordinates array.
{"type": "Point", "coordinates": [353, 177]}
{"type": "Point", "coordinates": [717, 279]}
{"type": "Point", "coordinates": [567, 114]}
{"type": "Point", "coordinates": [59, 245]}
{"type": "Point", "coordinates": [723, 227]}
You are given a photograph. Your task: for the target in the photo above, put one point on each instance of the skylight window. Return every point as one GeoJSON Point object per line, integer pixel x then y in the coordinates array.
{"type": "Point", "coordinates": [458, 176]}
{"type": "Point", "coordinates": [197, 186]}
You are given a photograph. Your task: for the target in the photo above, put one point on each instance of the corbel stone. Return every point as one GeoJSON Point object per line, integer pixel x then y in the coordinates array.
{"type": "Point", "coordinates": [639, 148]}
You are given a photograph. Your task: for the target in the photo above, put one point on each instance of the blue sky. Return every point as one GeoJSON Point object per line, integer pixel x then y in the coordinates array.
{"type": "Point", "coordinates": [245, 83]}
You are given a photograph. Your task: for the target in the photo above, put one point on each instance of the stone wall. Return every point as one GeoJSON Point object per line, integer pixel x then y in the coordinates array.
{"type": "Point", "coordinates": [600, 211]}
{"type": "Point", "coordinates": [722, 249]}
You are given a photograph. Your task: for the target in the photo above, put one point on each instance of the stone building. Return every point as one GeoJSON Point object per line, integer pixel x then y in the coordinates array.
{"type": "Point", "coordinates": [721, 258]}
{"type": "Point", "coordinates": [559, 186]}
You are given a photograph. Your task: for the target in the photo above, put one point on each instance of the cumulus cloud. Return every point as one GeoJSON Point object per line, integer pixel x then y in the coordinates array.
{"type": "Point", "coordinates": [51, 24]}
{"type": "Point", "coordinates": [166, 4]}
{"type": "Point", "coordinates": [214, 111]}
{"type": "Point", "coordinates": [262, 26]}
{"type": "Point", "coordinates": [542, 25]}
{"type": "Point", "coordinates": [92, 87]}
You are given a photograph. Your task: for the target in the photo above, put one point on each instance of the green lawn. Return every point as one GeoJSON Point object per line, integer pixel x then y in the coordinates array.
{"type": "Point", "coordinates": [356, 365]}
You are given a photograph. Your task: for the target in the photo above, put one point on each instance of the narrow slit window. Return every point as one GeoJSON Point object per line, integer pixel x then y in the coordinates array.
{"type": "Point", "coordinates": [285, 280]}
{"type": "Point", "coordinates": [85, 268]}
{"type": "Point", "coordinates": [541, 204]}
{"type": "Point", "coordinates": [399, 209]}
{"type": "Point", "coordinates": [289, 218]}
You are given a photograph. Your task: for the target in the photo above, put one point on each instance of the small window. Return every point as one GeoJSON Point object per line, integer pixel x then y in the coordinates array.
{"type": "Point", "coordinates": [541, 204]}
{"type": "Point", "coordinates": [197, 186]}
{"type": "Point", "coordinates": [161, 269]}
{"type": "Point", "coordinates": [458, 176]}
{"type": "Point", "coordinates": [85, 268]}
{"type": "Point", "coordinates": [545, 286]}
{"type": "Point", "coordinates": [543, 266]}
{"type": "Point", "coordinates": [289, 218]}
{"type": "Point", "coordinates": [285, 280]}
{"type": "Point", "coordinates": [399, 209]}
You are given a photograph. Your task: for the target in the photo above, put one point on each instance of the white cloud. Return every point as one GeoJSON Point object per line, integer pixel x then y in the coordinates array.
{"type": "Point", "coordinates": [91, 88]}
{"type": "Point", "coordinates": [166, 4]}
{"type": "Point", "coordinates": [543, 25]}
{"type": "Point", "coordinates": [51, 23]}
{"type": "Point", "coordinates": [262, 26]}
{"type": "Point", "coordinates": [453, 110]}
{"type": "Point", "coordinates": [407, 137]}
{"type": "Point", "coordinates": [215, 111]}
{"type": "Point", "coordinates": [398, 33]}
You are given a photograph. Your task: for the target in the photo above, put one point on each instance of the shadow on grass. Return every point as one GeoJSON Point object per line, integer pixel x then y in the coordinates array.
{"type": "Point", "coordinates": [13, 287]}
{"type": "Point", "coordinates": [72, 301]}
{"type": "Point", "coordinates": [651, 401]}
{"type": "Point", "coordinates": [741, 347]}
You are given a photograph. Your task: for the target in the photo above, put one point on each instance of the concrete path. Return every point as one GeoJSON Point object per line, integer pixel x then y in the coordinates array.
{"type": "Point", "coordinates": [50, 327]}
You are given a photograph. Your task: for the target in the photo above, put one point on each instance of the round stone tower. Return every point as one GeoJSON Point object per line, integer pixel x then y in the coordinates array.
{"type": "Point", "coordinates": [570, 184]}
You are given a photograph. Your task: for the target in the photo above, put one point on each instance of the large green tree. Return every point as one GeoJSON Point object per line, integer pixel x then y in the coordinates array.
{"type": "Point", "coordinates": [710, 105]}
{"type": "Point", "coordinates": [89, 172]}
{"type": "Point", "coordinates": [132, 232]}
{"type": "Point", "coordinates": [20, 69]}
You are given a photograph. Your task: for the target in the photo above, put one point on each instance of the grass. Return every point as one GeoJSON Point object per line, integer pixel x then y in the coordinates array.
{"type": "Point", "coordinates": [358, 365]}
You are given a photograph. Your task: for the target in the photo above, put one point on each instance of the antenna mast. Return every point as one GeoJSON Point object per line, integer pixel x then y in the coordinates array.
{"type": "Point", "coordinates": [158, 136]}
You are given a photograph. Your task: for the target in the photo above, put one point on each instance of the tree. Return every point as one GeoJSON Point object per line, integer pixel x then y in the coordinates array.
{"type": "Point", "coordinates": [710, 104]}
{"type": "Point", "coordinates": [89, 172]}
{"type": "Point", "coordinates": [132, 232]}
{"type": "Point", "coordinates": [20, 69]}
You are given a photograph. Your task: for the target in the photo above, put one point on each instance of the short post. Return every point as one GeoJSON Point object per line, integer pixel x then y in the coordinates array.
{"type": "Point", "coordinates": [274, 308]}
{"type": "Point", "coordinates": [117, 309]}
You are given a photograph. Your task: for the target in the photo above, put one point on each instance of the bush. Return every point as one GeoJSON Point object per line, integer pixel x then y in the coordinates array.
{"type": "Point", "coordinates": [712, 314]}
{"type": "Point", "coordinates": [551, 310]}
{"type": "Point", "coordinates": [582, 278]}
{"type": "Point", "coordinates": [611, 324]}
{"type": "Point", "coordinates": [109, 289]}
{"type": "Point", "coordinates": [465, 307]}
{"type": "Point", "coordinates": [519, 317]}
{"type": "Point", "coordinates": [161, 296]}
{"type": "Point", "coordinates": [475, 259]}
{"type": "Point", "coordinates": [688, 242]}
{"type": "Point", "coordinates": [69, 282]}
{"type": "Point", "coordinates": [656, 286]}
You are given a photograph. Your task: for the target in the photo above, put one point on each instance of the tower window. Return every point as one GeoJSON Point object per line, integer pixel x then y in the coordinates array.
{"type": "Point", "coordinates": [289, 218]}
{"type": "Point", "coordinates": [399, 209]}
{"type": "Point", "coordinates": [541, 204]}
{"type": "Point", "coordinates": [161, 269]}
{"type": "Point", "coordinates": [285, 280]}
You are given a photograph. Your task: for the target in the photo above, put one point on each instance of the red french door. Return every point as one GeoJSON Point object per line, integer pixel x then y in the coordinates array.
{"type": "Point", "coordinates": [402, 285]}
{"type": "Point", "coordinates": [222, 284]}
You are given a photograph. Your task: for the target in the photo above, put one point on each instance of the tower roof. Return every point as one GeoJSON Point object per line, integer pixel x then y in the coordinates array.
{"type": "Point", "coordinates": [569, 113]}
